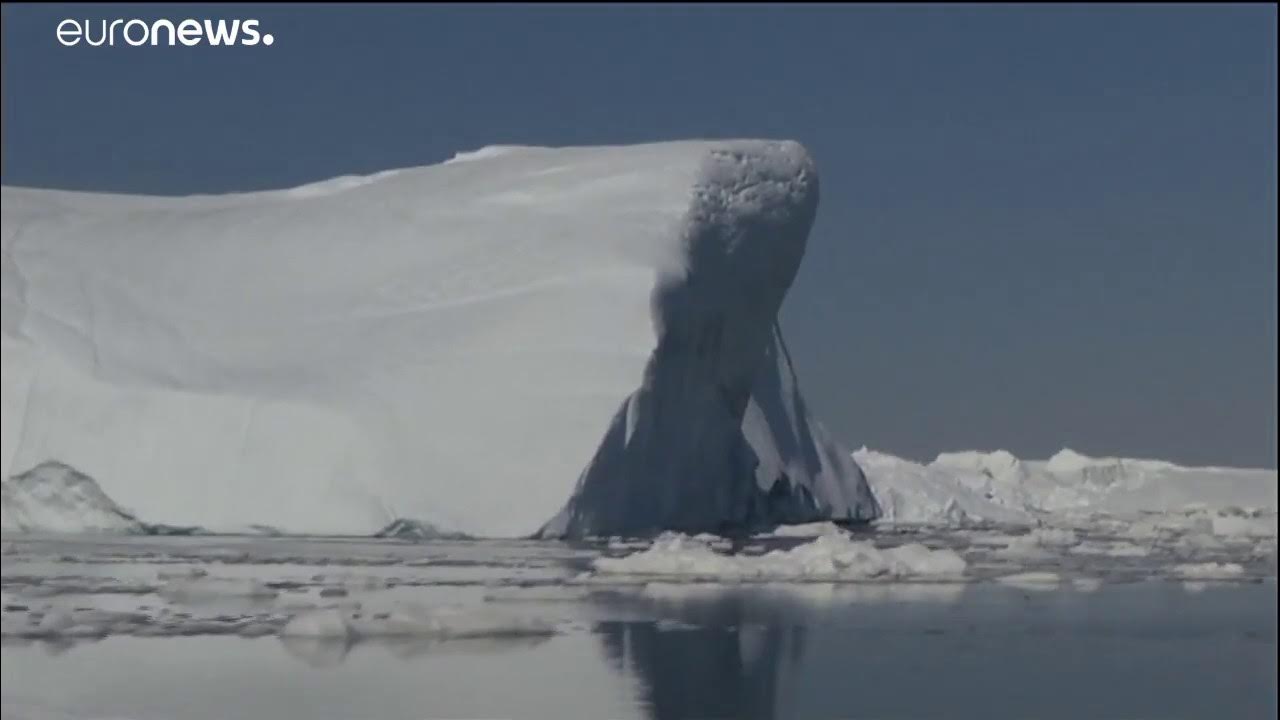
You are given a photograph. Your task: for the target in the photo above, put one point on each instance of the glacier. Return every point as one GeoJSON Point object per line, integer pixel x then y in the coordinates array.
{"type": "Point", "coordinates": [520, 341]}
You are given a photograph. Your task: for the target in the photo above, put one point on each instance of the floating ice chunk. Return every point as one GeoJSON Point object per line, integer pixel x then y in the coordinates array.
{"type": "Point", "coordinates": [708, 539]}
{"type": "Point", "coordinates": [1243, 526]}
{"type": "Point", "coordinates": [1209, 570]}
{"type": "Point", "coordinates": [1032, 580]}
{"type": "Point", "coordinates": [1110, 549]}
{"type": "Point", "coordinates": [829, 557]}
{"type": "Point", "coordinates": [1263, 548]}
{"type": "Point", "coordinates": [804, 530]}
{"type": "Point", "coordinates": [1193, 543]}
{"type": "Point", "coordinates": [670, 554]}
{"type": "Point", "coordinates": [1086, 584]}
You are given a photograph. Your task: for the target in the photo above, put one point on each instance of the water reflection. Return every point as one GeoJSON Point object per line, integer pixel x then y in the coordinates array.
{"type": "Point", "coordinates": [948, 650]}
{"type": "Point", "coordinates": [728, 673]}
{"type": "Point", "coordinates": [318, 652]}
{"type": "Point", "coordinates": [721, 651]}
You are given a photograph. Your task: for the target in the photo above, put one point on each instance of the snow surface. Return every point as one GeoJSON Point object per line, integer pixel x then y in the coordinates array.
{"type": "Point", "coordinates": [452, 346]}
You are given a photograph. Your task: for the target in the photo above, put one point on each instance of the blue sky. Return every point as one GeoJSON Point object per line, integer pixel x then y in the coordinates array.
{"type": "Point", "coordinates": [1040, 226]}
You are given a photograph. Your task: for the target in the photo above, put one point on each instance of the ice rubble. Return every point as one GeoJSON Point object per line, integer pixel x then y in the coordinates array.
{"type": "Point", "coordinates": [454, 346]}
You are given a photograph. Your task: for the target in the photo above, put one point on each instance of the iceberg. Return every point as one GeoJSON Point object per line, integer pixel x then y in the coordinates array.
{"type": "Point", "coordinates": [1073, 483]}
{"type": "Point", "coordinates": [520, 341]}
{"type": "Point", "coordinates": [53, 497]}
{"type": "Point", "coordinates": [998, 487]}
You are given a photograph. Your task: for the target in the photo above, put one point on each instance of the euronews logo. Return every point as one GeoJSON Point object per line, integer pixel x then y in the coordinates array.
{"type": "Point", "coordinates": [136, 33]}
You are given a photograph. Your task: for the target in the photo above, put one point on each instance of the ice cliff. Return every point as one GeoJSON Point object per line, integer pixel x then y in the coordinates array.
{"type": "Point", "coordinates": [518, 341]}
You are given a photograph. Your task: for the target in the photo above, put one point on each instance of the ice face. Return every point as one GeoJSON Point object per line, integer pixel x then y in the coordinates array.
{"type": "Point", "coordinates": [571, 341]}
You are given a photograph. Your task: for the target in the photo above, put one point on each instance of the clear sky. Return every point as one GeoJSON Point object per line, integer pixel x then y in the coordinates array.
{"type": "Point", "coordinates": [1040, 226]}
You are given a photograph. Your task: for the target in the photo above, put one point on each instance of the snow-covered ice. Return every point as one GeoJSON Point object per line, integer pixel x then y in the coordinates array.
{"type": "Point", "coordinates": [572, 341]}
